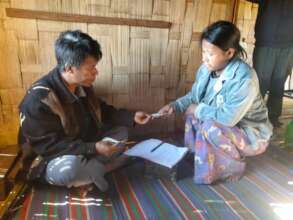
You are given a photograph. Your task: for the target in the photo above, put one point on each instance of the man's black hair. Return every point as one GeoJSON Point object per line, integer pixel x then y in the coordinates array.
{"type": "Point", "coordinates": [73, 47]}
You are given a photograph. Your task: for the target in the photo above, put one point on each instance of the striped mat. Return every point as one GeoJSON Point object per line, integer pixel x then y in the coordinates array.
{"type": "Point", "coordinates": [265, 192]}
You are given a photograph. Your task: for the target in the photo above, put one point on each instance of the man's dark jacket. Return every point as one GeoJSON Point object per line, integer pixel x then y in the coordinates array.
{"type": "Point", "coordinates": [56, 122]}
{"type": "Point", "coordinates": [274, 23]}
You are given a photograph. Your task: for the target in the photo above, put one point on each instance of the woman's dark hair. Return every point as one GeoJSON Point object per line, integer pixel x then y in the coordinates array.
{"type": "Point", "coordinates": [224, 35]}
{"type": "Point", "coordinates": [73, 47]}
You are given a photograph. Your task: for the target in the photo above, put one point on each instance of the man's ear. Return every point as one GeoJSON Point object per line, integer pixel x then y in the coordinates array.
{"type": "Point", "coordinates": [68, 69]}
{"type": "Point", "coordinates": [230, 53]}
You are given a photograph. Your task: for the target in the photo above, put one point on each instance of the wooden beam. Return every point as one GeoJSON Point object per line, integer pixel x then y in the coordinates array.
{"type": "Point", "coordinates": [220, 1]}
{"type": "Point", "coordinates": [54, 16]}
{"type": "Point", "coordinates": [235, 10]}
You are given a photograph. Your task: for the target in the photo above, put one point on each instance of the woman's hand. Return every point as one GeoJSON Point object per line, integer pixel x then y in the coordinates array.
{"type": "Point", "coordinates": [141, 118]}
{"type": "Point", "coordinates": [191, 109]}
{"type": "Point", "coordinates": [166, 110]}
{"type": "Point", "coordinates": [107, 148]}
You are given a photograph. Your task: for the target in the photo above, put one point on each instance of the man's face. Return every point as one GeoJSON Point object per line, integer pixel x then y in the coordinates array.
{"type": "Point", "coordinates": [85, 75]}
{"type": "Point", "coordinates": [213, 57]}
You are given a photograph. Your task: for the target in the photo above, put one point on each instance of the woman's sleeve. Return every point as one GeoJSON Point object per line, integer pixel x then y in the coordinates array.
{"type": "Point", "coordinates": [236, 103]}
{"type": "Point", "coordinates": [182, 103]}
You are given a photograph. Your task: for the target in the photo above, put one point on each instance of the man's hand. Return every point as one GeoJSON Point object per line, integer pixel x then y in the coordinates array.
{"type": "Point", "coordinates": [166, 110]}
{"type": "Point", "coordinates": [191, 109]}
{"type": "Point", "coordinates": [141, 118]}
{"type": "Point", "coordinates": [107, 148]}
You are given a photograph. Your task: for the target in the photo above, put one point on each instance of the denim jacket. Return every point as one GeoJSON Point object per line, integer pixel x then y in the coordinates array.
{"type": "Point", "coordinates": [235, 100]}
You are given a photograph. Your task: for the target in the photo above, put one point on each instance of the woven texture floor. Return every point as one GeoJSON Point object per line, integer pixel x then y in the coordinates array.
{"type": "Point", "coordinates": [265, 192]}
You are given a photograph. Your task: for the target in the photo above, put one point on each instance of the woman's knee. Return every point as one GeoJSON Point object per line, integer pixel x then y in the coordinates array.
{"type": "Point", "coordinates": [208, 128]}
{"type": "Point", "coordinates": [190, 118]}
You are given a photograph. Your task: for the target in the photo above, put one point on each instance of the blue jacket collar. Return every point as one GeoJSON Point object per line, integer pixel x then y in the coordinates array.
{"type": "Point", "coordinates": [227, 74]}
{"type": "Point", "coordinates": [230, 70]}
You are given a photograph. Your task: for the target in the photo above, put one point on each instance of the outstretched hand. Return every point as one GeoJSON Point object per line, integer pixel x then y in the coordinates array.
{"type": "Point", "coordinates": [166, 110]}
{"type": "Point", "coordinates": [107, 148]}
{"type": "Point", "coordinates": [141, 118]}
{"type": "Point", "coordinates": [191, 109]}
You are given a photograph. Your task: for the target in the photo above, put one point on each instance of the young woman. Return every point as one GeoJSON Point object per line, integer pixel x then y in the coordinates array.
{"type": "Point", "coordinates": [226, 118]}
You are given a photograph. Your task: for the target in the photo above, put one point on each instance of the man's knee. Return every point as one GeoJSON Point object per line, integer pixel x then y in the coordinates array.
{"type": "Point", "coordinates": [62, 171]}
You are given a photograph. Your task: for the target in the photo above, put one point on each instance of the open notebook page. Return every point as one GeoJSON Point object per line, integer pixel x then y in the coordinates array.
{"type": "Point", "coordinates": [158, 151]}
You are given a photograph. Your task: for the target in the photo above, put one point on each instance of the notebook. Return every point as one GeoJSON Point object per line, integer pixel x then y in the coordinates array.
{"type": "Point", "coordinates": [158, 151]}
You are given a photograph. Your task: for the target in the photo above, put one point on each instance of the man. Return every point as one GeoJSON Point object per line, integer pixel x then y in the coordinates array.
{"type": "Point", "coordinates": [273, 53]}
{"type": "Point", "coordinates": [65, 123]}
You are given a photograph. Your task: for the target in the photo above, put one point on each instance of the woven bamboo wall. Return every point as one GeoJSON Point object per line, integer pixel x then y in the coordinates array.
{"type": "Point", "coordinates": [142, 68]}
{"type": "Point", "coordinates": [246, 18]}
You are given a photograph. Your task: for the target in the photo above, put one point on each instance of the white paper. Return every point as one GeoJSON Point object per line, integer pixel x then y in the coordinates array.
{"type": "Point", "coordinates": [166, 154]}
{"type": "Point", "coordinates": [109, 139]}
{"type": "Point", "coordinates": [157, 115]}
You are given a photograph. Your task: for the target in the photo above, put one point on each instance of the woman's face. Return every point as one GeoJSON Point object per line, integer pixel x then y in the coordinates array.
{"type": "Point", "coordinates": [213, 57]}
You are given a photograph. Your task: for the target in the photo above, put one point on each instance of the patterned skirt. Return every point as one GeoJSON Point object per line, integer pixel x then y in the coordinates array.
{"type": "Point", "coordinates": [219, 150]}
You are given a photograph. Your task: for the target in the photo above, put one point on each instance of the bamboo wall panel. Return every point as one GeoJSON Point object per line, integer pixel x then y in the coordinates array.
{"type": "Point", "coordinates": [159, 43]}
{"type": "Point", "coordinates": [103, 34]}
{"type": "Point", "coordinates": [23, 28]}
{"type": "Point", "coordinates": [57, 27]}
{"type": "Point", "coordinates": [194, 60]}
{"type": "Point", "coordinates": [177, 11]}
{"type": "Point", "coordinates": [46, 46]}
{"type": "Point", "coordinates": [120, 49]}
{"type": "Point", "coordinates": [10, 67]}
{"type": "Point", "coordinates": [140, 8]}
{"type": "Point", "coordinates": [245, 21]}
{"type": "Point", "coordinates": [142, 68]}
{"type": "Point", "coordinates": [139, 53]}
{"type": "Point", "coordinates": [23, 4]}
{"type": "Point", "coordinates": [187, 26]}
{"type": "Point", "coordinates": [203, 15]}
{"type": "Point", "coordinates": [3, 5]}
{"type": "Point", "coordinates": [28, 52]}
{"type": "Point", "coordinates": [172, 64]}
{"type": "Point", "coordinates": [161, 9]}
{"type": "Point", "coordinates": [218, 12]}
{"type": "Point", "coordinates": [120, 7]}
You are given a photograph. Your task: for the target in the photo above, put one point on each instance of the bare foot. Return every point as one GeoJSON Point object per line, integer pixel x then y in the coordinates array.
{"type": "Point", "coordinates": [82, 191]}
{"type": "Point", "coordinates": [232, 178]}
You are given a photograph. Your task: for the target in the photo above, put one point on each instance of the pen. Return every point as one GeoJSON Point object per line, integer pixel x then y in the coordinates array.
{"type": "Point", "coordinates": [156, 147]}
{"type": "Point", "coordinates": [128, 142]}
{"type": "Point", "coordinates": [124, 143]}
{"type": "Point", "coordinates": [157, 115]}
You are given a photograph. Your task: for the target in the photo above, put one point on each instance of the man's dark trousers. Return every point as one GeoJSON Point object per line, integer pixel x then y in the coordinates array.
{"type": "Point", "coordinates": [273, 66]}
